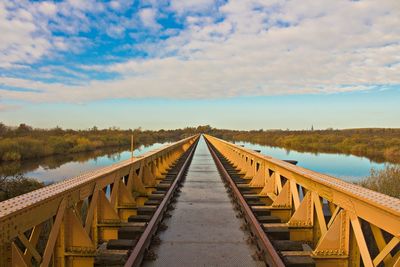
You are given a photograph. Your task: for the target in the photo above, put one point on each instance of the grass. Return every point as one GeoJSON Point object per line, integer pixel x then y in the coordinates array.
{"type": "Point", "coordinates": [12, 186]}
{"type": "Point", "coordinates": [386, 181]}
{"type": "Point", "coordinates": [377, 144]}
{"type": "Point", "coordinates": [24, 142]}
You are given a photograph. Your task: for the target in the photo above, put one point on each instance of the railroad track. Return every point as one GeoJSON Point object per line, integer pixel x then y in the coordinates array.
{"type": "Point", "coordinates": [294, 216]}
{"type": "Point", "coordinates": [136, 236]}
{"type": "Point", "coordinates": [270, 236]}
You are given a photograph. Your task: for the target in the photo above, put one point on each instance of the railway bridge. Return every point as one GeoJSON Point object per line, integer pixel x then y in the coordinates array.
{"type": "Point", "coordinates": [201, 201]}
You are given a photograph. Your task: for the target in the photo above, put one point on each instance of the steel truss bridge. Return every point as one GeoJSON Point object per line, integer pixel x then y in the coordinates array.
{"type": "Point", "coordinates": [123, 214]}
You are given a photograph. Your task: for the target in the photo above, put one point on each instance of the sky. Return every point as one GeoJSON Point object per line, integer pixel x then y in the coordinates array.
{"type": "Point", "coordinates": [176, 63]}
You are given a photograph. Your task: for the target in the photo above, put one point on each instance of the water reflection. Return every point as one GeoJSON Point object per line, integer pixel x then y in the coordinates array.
{"type": "Point", "coordinates": [347, 167]}
{"type": "Point", "coordinates": [59, 167]}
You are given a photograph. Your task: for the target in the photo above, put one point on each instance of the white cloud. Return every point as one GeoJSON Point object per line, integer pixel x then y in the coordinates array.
{"type": "Point", "coordinates": [18, 40]}
{"type": "Point", "coordinates": [181, 6]}
{"type": "Point", "coordinates": [88, 5]}
{"type": "Point", "coordinates": [276, 47]}
{"type": "Point", "coordinates": [115, 31]}
{"type": "Point", "coordinates": [27, 29]}
{"type": "Point", "coordinates": [148, 17]}
{"type": "Point", "coordinates": [24, 15]}
{"type": "Point", "coordinates": [115, 5]}
{"type": "Point", "coordinates": [48, 8]}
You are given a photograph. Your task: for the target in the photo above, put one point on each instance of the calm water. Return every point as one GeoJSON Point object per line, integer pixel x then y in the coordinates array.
{"type": "Point", "coordinates": [346, 167]}
{"type": "Point", "coordinates": [54, 169]}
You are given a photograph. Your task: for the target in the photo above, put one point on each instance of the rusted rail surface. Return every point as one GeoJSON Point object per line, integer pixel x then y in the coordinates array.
{"type": "Point", "coordinates": [345, 224]}
{"type": "Point", "coordinates": [79, 212]}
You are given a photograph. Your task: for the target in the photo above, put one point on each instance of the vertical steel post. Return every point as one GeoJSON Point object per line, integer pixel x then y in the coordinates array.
{"type": "Point", "coordinates": [132, 146]}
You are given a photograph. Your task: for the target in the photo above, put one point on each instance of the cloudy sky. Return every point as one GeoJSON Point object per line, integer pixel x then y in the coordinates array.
{"type": "Point", "coordinates": [232, 64]}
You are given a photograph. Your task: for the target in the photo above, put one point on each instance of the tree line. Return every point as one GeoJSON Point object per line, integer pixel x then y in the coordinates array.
{"type": "Point", "coordinates": [378, 144]}
{"type": "Point", "coordinates": [26, 142]}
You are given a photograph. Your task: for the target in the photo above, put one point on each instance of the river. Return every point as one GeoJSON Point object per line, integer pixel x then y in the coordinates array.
{"type": "Point", "coordinates": [57, 168]}
{"type": "Point", "coordinates": [347, 167]}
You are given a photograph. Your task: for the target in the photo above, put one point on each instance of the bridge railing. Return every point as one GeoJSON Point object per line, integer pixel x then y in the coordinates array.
{"type": "Point", "coordinates": [345, 224]}
{"type": "Point", "coordinates": [62, 224]}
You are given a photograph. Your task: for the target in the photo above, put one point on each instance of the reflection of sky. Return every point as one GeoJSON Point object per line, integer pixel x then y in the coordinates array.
{"type": "Point", "coordinates": [75, 168]}
{"type": "Point", "coordinates": [348, 167]}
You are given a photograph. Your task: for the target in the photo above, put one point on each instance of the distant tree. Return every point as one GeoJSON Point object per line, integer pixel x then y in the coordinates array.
{"type": "Point", "coordinates": [57, 130]}
{"type": "Point", "coordinates": [312, 127]}
{"type": "Point", "coordinates": [204, 129]}
{"type": "Point", "coordinates": [23, 129]}
{"type": "Point", "coordinates": [3, 129]}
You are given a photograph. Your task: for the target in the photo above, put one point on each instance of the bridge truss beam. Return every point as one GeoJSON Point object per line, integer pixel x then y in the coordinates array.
{"type": "Point", "coordinates": [63, 224]}
{"type": "Point", "coordinates": [343, 222]}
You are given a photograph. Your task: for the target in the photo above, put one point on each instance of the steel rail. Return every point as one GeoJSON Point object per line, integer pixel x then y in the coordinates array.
{"type": "Point", "coordinates": [136, 256]}
{"type": "Point", "coordinates": [269, 253]}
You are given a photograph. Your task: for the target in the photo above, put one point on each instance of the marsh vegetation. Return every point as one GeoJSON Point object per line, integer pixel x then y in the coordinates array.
{"type": "Point", "coordinates": [25, 142]}
{"type": "Point", "coordinates": [378, 144]}
{"type": "Point", "coordinates": [386, 181]}
{"type": "Point", "coordinates": [25, 145]}
{"type": "Point", "coordinates": [12, 186]}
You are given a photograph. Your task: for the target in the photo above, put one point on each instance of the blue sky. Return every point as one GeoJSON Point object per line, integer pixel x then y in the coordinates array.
{"type": "Point", "coordinates": [232, 64]}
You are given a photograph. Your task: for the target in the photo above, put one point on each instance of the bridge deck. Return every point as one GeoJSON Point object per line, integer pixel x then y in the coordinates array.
{"type": "Point", "coordinates": [203, 229]}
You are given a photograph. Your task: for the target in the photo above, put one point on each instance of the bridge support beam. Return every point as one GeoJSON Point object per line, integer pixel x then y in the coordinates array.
{"type": "Point", "coordinates": [63, 224]}
{"type": "Point", "coordinates": [345, 224]}
{"type": "Point", "coordinates": [74, 246]}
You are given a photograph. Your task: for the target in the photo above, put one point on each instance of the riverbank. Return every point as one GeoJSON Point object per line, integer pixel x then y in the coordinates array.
{"type": "Point", "coordinates": [377, 144]}
{"type": "Point", "coordinates": [24, 142]}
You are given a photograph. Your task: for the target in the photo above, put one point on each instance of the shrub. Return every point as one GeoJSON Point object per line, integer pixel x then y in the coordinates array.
{"type": "Point", "coordinates": [11, 155]}
{"type": "Point", "coordinates": [29, 147]}
{"type": "Point", "coordinates": [386, 181]}
{"type": "Point", "coordinates": [392, 152]}
{"type": "Point", "coordinates": [83, 144]}
{"type": "Point", "coordinates": [17, 185]}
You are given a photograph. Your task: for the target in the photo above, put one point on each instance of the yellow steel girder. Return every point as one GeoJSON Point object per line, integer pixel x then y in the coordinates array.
{"type": "Point", "coordinates": [298, 195]}
{"type": "Point", "coordinates": [78, 212]}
